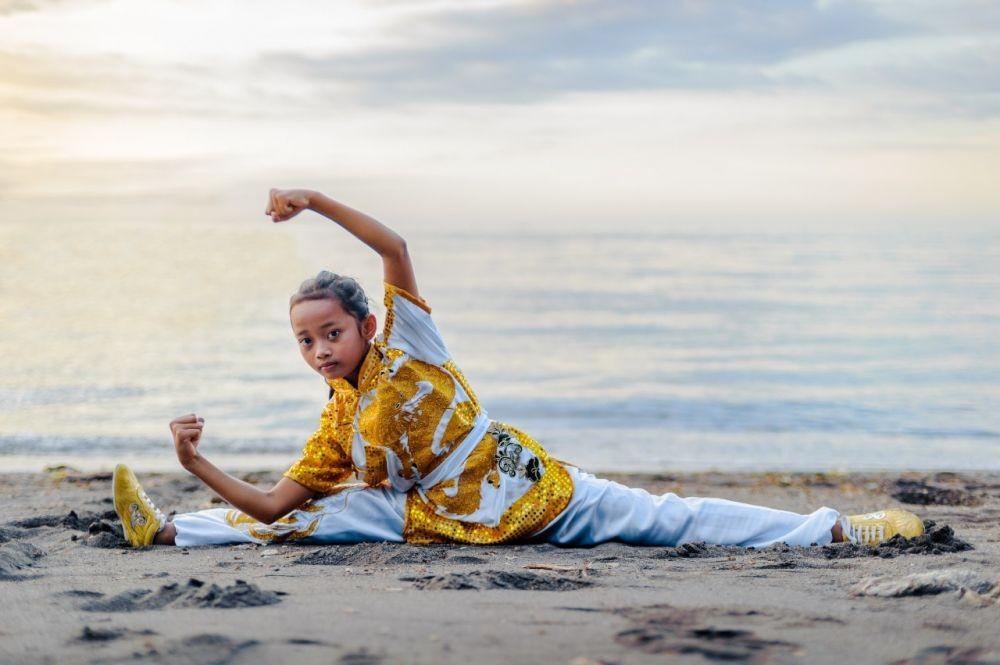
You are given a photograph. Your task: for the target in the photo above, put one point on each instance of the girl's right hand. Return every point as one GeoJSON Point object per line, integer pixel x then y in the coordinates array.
{"type": "Point", "coordinates": [283, 204]}
{"type": "Point", "coordinates": [187, 433]}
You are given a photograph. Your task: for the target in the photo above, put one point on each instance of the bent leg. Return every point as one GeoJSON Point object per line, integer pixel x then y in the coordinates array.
{"type": "Point", "coordinates": [353, 514]}
{"type": "Point", "coordinates": [602, 510]}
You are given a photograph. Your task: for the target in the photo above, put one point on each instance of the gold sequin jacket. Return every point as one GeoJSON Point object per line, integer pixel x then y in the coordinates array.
{"type": "Point", "coordinates": [413, 422]}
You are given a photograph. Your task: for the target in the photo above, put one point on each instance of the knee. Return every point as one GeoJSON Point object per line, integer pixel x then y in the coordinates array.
{"type": "Point", "coordinates": [644, 518]}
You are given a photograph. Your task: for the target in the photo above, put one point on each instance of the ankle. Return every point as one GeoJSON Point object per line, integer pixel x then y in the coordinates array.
{"type": "Point", "coordinates": [166, 535]}
{"type": "Point", "coordinates": [838, 532]}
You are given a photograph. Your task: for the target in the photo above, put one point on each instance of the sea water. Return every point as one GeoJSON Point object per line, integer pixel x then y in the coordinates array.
{"type": "Point", "coordinates": [618, 349]}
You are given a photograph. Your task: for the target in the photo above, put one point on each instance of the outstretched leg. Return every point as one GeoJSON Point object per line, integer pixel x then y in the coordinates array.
{"type": "Point", "coordinates": [353, 514]}
{"type": "Point", "coordinates": [602, 510]}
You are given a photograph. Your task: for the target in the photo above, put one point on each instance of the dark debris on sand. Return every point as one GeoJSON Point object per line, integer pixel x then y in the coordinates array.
{"type": "Point", "coordinates": [71, 520]}
{"type": "Point", "coordinates": [497, 579]}
{"type": "Point", "coordinates": [923, 492]}
{"type": "Point", "coordinates": [465, 559]}
{"type": "Point", "coordinates": [203, 649]}
{"type": "Point", "coordinates": [373, 554]}
{"type": "Point", "coordinates": [361, 657]}
{"type": "Point", "coordinates": [673, 631]}
{"type": "Point", "coordinates": [934, 540]}
{"type": "Point", "coordinates": [89, 634]}
{"type": "Point", "coordinates": [193, 594]}
{"type": "Point", "coordinates": [943, 654]}
{"type": "Point", "coordinates": [15, 557]}
{"type": "Point", "coordinates": [8, 534]}
{"type": "Point", "coordinates": [102, 529]}
{"type": "Point", "coordinates": [699, 550]}
{"type": "Point", "coordinates": [107, 535]}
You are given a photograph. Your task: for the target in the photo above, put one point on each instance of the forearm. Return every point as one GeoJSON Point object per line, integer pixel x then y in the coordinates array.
{"type": "Point", "coordinates": [255, 502]}
{"type": "Point", "coordinates": [367, 229]}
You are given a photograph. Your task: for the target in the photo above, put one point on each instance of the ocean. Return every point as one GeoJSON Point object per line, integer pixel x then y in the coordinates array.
{"type": "Point", "coordinates": [618, 349]}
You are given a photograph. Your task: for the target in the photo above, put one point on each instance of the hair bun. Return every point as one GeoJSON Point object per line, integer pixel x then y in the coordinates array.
{"type": "Point", "coordinates": [345, 290]}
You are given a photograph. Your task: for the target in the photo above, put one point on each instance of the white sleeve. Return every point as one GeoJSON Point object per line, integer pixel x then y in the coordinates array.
{"type": "Point", "coordinates": [410, 328]}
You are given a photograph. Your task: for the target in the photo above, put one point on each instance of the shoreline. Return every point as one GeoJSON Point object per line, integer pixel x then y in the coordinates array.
{"type": "Point", "coordinates": [72, 596]}
{"type": "Point", "coordinates": [268, 462]}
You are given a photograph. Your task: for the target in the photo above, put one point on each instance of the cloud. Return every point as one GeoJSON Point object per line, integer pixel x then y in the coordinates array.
{"type": "Point", "coordinates": [11, 7]}
{"type": "Point", "coordinates": [8, 7]}
{"type": "Point", "coordinates": [930, 75]}
{"type": "Point", "coordinates": [48, 84]}
{"type": "Point", "coordinates": [957, 17]}
{"type": "Point", "coordinates": [529, 51]}
{"type": "Point", "coordinates": [922, 61]}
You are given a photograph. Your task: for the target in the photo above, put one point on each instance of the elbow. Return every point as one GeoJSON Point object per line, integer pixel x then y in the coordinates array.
{"type": "Point", "coordinates": [264, 517]}
{"type": "Point", "coordinates": [398, 250]}
{"type": "Point", "coordinates": [270, 512]}
{"type": "Point", "coordinates": [266, 514]}
{"type": "Point", "coordinates": [269, 518]}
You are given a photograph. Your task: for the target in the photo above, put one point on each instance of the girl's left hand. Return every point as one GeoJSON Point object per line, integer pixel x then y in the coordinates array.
{"type": "Point", "coordinates": [283, 204]}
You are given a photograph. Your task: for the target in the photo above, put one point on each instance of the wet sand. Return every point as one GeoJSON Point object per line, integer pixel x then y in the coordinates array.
{"type": "Point", "coordinates": [72, 594]}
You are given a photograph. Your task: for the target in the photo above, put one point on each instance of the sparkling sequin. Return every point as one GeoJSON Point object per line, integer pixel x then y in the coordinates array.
{"type": "Point", "coordinates": [375, 472]}
{"type": "Point", "coordinates": [457, 373]}
{"type": "Point", "coordinates": [525, 517]}
{"type": "Point", "coordinates": [326, 457]}
{"type": "Point", "coordinates": [463, 495]}
{"type": "Point", "coordinates": [404, 415]}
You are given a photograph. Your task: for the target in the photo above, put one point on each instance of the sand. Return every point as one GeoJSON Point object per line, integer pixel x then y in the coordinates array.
{"type": "Point", "coordinates": [72, 594]}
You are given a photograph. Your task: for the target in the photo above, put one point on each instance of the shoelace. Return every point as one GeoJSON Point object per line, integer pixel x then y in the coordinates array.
{"type": "Point", "coordinates": [866, 534]}
{"type": "Point", "coordinates": [160, 517]}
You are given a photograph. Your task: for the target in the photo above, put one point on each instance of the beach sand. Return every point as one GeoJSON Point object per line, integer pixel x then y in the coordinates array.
{"type": "Point", "coordinates": [66, 599]}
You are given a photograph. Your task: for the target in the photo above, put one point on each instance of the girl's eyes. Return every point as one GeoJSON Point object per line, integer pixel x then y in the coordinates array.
{"type": "Point", "coordinates": [333, 334]}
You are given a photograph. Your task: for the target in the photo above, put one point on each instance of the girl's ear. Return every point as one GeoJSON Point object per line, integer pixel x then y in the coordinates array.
{"type": "Point", "coordinates": [369, 326]}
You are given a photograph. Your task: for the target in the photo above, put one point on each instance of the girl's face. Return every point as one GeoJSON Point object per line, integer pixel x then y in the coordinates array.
{"type": "Point", "coordinates": [331, 341]}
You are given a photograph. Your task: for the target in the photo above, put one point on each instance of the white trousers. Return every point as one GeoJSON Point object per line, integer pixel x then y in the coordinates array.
{"type": "Point", "coordinates": [599, 511]}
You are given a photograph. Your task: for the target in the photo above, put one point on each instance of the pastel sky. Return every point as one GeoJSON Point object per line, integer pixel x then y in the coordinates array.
{"type": "Point", "coordinates": [747, 115]}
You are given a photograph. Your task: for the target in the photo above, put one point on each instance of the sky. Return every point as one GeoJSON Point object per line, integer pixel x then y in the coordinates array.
{"type": "Point", "coordinates": [750, 115]}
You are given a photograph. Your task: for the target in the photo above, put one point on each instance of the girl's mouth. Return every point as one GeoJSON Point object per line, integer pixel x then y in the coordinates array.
{"type": "Point", "coordinates": [327, 367]}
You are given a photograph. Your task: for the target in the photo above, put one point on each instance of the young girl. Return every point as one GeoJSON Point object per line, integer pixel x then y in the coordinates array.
{"type": "Point", "coordinates": [434, 467]}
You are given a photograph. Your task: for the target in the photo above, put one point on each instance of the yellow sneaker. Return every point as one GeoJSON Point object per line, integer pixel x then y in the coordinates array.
{"type": "Point", "coordinates": [878, 527]}
{"type": "Point", "coordinates": [141, 520]}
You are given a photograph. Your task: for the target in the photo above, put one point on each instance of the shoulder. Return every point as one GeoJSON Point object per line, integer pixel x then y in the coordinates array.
{"type": "Point", "coordinates": [397, 295]}
{"type": "Point", "coordinates": [409, 327]}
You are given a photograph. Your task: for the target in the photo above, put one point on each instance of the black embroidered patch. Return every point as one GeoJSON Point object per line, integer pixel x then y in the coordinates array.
{"type": "Point", "coordinates": [508, 458]}
{"type": "Point", "coordinates": [508, 454]}
{"type": "Point", "coordinates": [533, 471]}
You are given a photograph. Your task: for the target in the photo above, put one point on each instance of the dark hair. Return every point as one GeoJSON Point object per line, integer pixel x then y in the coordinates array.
{"type": "Point", "coordinates": [341, 288]}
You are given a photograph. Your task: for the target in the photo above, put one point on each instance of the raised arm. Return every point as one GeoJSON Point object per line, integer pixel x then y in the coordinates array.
{"type": "Point", "coordinates": [283, 204]}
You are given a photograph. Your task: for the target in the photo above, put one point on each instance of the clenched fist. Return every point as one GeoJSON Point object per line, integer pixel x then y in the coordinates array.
{"type": "Point", "coordinates": [187, 433]}
{"type": "Point", "coordinates": [283, 204]}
